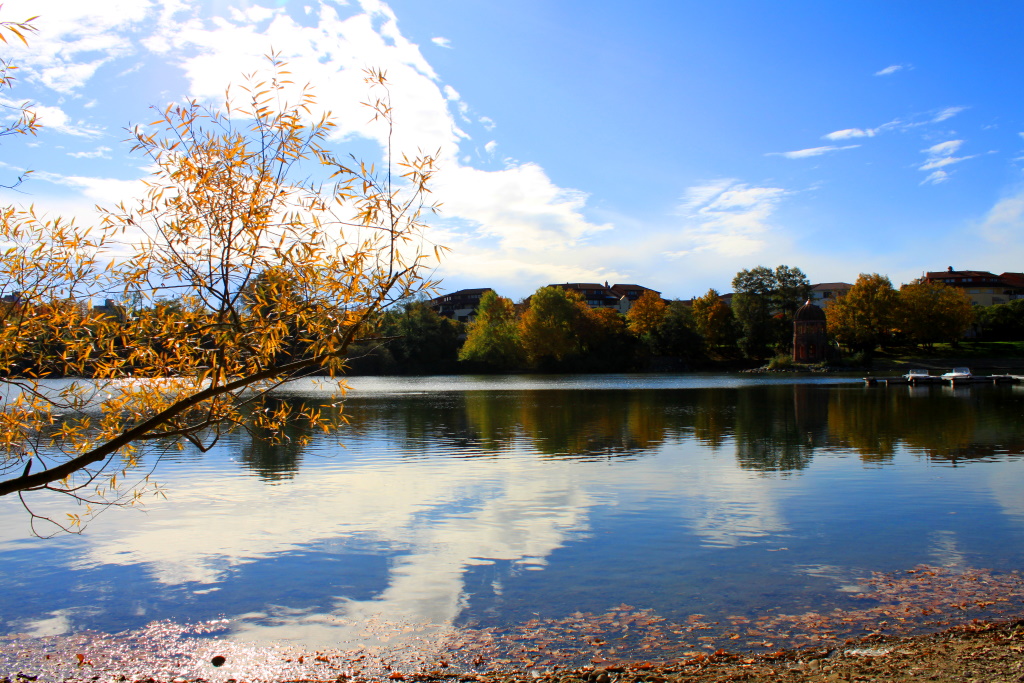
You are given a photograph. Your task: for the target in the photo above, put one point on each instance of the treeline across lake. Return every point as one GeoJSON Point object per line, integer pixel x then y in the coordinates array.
{"type": "Point", "coordinates": [554, 330]}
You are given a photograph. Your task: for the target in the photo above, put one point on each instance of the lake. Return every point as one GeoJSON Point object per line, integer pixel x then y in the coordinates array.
{"type": "Point", "coordinates": [546, 521]}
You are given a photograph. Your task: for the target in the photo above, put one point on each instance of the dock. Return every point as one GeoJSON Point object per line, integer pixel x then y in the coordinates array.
{"type": "Point", "coordinates": [936, 379]}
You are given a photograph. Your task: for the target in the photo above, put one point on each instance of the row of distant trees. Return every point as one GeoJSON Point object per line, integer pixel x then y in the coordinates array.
{"type": "Point", "coordinates": [922, 313]}
{"type": "Point", "coordinates": [554, 330]}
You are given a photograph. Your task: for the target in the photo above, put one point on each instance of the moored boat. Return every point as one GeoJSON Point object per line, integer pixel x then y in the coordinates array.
{"type": "Point", "coordinates": [958, 373]}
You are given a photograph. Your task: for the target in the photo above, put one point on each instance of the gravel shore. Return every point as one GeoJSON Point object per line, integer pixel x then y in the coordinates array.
{"type": "Point", "coordinates": [971, 653]}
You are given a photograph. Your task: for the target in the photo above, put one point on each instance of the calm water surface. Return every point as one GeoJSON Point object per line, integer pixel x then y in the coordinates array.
{"type": "Point", "coordinates": [664, 508]}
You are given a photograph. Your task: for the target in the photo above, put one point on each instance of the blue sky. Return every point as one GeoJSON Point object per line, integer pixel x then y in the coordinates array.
{"type": "Point", "coordinates": [669, 144]}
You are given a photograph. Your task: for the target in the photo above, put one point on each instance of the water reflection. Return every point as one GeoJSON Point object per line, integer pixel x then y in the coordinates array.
{"type": "Point", "coordinates": [485, 506]}
{"type": "Point", "coordinates": [774, 428]}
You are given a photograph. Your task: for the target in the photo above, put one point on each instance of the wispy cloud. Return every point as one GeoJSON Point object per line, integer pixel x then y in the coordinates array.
{"type": "Point", "coordinates": [947, 113]}
{"type": "Point", "coordinates": [935, 178]}
{"type": "Point", "coordinates": [848, 133]}
{"type": "Point", "coordinates": [911, 122]}
{"type": "Point", "coordinates": [811, 152]}
{"type": "Point", "coordinates": [442, 42]}
{"type": "Point", "coordinates": [944, 148]}
{"type": "Point", "coordinates": [889, 70]}
{"type": "Point", "coordinates": [728, 217]}
{"type": "Point", "coordinates": [938, 157]}
{"type": "Point", "coordinates": [98, 153]}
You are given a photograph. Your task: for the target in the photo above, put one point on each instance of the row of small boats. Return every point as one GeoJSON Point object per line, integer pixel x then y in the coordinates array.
{"type": "Point", "coordinates": [922, 375]}
{"type": "Point", "coordinates": [959, 375]}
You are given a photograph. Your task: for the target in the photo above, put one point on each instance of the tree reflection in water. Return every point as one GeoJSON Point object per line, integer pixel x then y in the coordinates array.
{"type": "Point", "coordinates": [773, 428]}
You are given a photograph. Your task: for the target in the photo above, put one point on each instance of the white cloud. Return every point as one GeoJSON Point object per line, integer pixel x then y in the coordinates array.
{"type": "Point", "coordinates": [442, 42]}
{"type": "Point", "coordinates": [511, 214]}
{"type": "Point", "coordinates": [103, 191]}
{"type": "Point", "coordinates": [947, 113]}
{"type": "Point", "coordinates": [847, 133]}
{"type": "Point", "coordinates": [55, 119]}
{"type": "Point", "coordinates": [940, 156]}
{"type": "Point", "coordinates": [519, 206]}
{"type": "Point", "coordinates": [811, 152]}
{"type": "Point", "coordinates": [75, 39]}
{"type": "Point", "coordinates": [944, 148]}
{"type": "Point", "coordinates": [98, 153]}
{"type": "Point", "coordinates": [935, 178]}
{"type": "Point", "coordinates": [728, 217]}
{"type": "Point", "coordinates": [894, 125]}
{"type": "Point", "coordinates": [939, 162]}
{"type": "Point", "coordinates": [331, 53]}
{"type": "Point", "coordinates": [889, 70]}
{"type": "Point", "coordinates": [1004, 223]}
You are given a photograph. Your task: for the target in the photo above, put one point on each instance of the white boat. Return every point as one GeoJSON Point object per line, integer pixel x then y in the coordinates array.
{"type": "Point", "coordinates": [917, 374]}
{"type": "Point", "coordinates": [958, 373]}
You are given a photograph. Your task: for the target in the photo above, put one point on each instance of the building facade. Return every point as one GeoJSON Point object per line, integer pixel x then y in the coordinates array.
{"type": "Point", "coordinates": [825, 293]}
{"type": "Point", "coordinates": [460, 305]}
{"type": "Point", "coordinates": [983, 288]}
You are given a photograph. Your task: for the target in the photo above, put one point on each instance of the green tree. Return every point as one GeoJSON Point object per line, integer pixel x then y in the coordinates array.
{"type": "Point", "coordinates": [420, 340]}
{"type": "Point", "coordinates": [764, 303]}
{"type": "Point", "coordinates": [792, 290]}
{"type": "Point", "coordinates": [934, 312]}
{"type": "Point", "coordinates": [228, 200]}
{"type": "Point", "coordinates": [493, 337]}
{"type": "Point", "coordinates": [1003, 322]}
{"type": "Point", "coordinates": [677, 335]}
{"type": "Point", "coordinates": [867, 315]}
{"type": "Point", "coordinates": [549, 327]}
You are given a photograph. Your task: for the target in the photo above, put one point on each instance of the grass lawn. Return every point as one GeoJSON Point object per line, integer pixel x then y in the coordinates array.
{"type": "Point", "coordinates": [967, 353]}
{"type": "Point", "coordinates": [1010, 349]}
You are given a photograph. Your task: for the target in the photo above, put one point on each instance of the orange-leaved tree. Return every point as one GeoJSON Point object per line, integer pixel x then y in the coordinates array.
{"type": "Point", "coordinates": [646, 313]}
{"type": "Point", "coordinates": [867, 315]}
{"type": "Point", "coordinates": [274, 253]}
